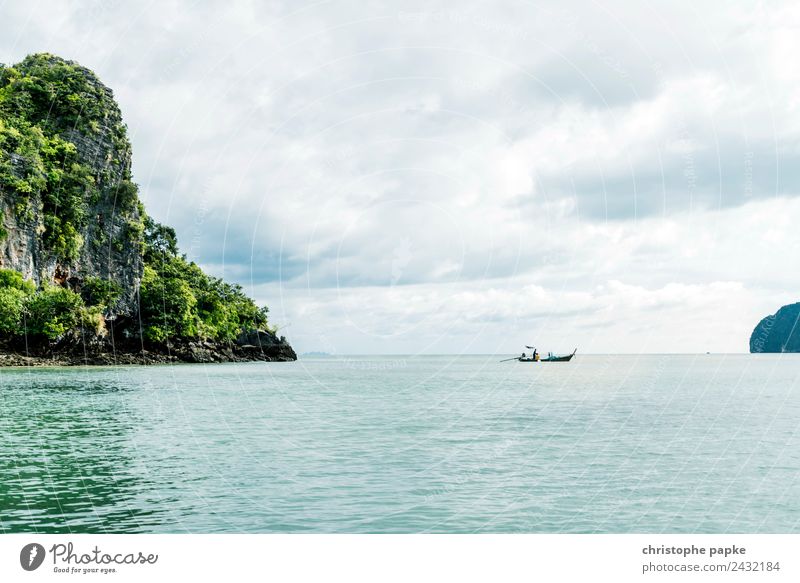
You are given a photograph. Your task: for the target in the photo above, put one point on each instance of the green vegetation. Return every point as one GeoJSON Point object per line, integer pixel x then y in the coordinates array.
{"type": "Point", "coordinates": [49, 313]}
{"type": "Point", "coordinates": [64, 173]}
{"type": "Point", "coordinates": [55, 93]}
{"type": "Point", "coordinates": [52, 312]}
{"type": "Point", "coordinates": [178, 300]}
{"type": "Point", "coordinates": [100, 292]}
{"type": "Point", "coordinates": [14, 293]}
{"type": "Point", "coordinates": [12, 306]}
{"type": "Point", "coordinates": [42, 100]}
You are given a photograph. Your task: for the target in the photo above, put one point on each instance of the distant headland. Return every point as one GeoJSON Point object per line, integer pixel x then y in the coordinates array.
{"type": "Point", "coordinates": [779, 332]}
{"type": "Point", "coordinates": [86, 276]}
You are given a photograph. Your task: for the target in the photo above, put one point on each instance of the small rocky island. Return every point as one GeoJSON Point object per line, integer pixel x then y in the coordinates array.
{"type": "Point", "coordinates": [86, 276]}
{"type": "Point", "coordinates": [779, 332]}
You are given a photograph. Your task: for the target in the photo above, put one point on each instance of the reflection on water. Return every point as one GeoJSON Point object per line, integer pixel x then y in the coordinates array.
{"type": "Point", "coordinates": [65, 458]}
{"type": "Point", "coordinates": [438, 444]}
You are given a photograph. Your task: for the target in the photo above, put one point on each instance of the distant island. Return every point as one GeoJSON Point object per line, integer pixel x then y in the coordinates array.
{"type": "Point", "coordinates": [86, 276]}
{"type": "Point", "coordinates": [779, 332]}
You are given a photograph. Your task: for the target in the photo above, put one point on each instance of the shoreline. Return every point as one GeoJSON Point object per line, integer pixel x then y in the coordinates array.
{"type": "Point", "coordinates": [133, 354]}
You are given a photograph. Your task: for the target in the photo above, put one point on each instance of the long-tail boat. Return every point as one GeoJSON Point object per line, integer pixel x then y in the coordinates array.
{"type": "Point", "coordinates": [536, 357]}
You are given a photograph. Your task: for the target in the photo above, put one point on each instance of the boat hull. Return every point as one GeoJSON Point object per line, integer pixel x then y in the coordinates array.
{"type": "Point", "coordinates": [564, 358]}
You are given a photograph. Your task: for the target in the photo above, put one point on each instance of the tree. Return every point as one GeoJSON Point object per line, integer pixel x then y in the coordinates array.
{"type": "Point", "coordinates": [12, 305]}
{"type": "Point", "coordinates": [96, 291]}
{"type": "Point", "coordinates": [168, 307]}
{"type": "Point", "coordinates": [53, 312]}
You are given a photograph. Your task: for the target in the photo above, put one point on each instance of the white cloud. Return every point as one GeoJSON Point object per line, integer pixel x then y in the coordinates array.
{"type": "Point", "coordinates": [606, 288]}
{"type": "Point", "coordinates": [468, 173]}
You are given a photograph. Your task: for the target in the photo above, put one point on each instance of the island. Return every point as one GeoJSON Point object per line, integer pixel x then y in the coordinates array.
{"type": "Point", "coordinates": [86, 276]}
{"type": "Point", "coordinates": [779, 332]}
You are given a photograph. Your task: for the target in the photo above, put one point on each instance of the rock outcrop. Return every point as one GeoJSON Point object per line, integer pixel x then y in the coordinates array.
{"type": "Point", "coordinates": [102, 283]}
{"type": "Point", "coordinates": [108, 230]}
{"type": "Point", "coordinates": [779, 332]}
{"type": "Point", "coordinates": [264, 343]}
{"type": "Point", "coordinates": [93, 350]}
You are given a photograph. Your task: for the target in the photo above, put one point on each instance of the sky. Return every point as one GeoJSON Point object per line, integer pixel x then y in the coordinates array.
{"type": "Point", "coordinates": [471, 177]}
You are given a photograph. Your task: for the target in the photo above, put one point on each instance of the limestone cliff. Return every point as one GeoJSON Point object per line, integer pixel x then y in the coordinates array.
{"type": "Point", "coordinates": [69, 210]}
{"type": "Point", "coordinates": [85, 275]}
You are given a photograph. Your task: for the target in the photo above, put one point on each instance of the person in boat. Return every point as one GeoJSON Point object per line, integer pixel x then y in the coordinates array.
{"type": "Point", "coordinates": [523, 355]}
{"type": "Point", "coordinates": [535, 354]}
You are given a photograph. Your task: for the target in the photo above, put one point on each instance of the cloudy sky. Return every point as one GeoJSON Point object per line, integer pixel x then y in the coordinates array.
{"type": "Point", "coordinates": [423, 177]}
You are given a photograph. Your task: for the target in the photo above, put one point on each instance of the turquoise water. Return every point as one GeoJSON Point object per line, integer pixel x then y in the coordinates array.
{"type": "Point", "coordinates": [700, 443]}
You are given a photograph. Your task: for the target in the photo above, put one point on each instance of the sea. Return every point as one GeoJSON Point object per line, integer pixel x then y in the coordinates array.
{"type": "Point", "coordinates": [405, 444]}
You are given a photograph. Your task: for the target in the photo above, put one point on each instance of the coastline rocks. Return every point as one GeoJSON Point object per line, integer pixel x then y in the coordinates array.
{"type": "Point", "coordinates": [259, 338]}
{"type": "Point", "coordinates": [95, 350]}
{"type": "Point", "coordinates": [263, 344]}
{"type": "Point", "coordinates": [779, 332]}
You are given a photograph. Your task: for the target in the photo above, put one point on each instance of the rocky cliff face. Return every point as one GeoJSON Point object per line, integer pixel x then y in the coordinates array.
{"type": "Point", "coordinates": [779, 332]}
{"type": "Point", "coordinates": [68, 208]}
{"type": "Point", "coordinates": [86, 277]}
